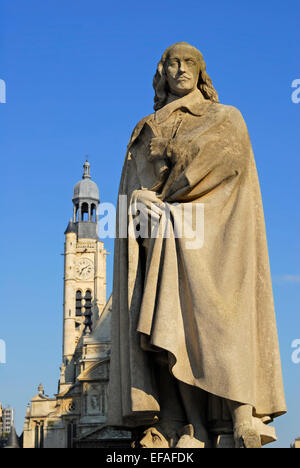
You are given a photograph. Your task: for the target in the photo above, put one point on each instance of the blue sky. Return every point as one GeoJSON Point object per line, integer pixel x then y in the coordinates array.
{"type": "Point", "coordinates": [79, 77]}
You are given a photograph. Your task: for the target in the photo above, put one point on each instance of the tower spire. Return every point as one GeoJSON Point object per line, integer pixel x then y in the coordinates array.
{"type": "Point", "coordinates": [86, 169]}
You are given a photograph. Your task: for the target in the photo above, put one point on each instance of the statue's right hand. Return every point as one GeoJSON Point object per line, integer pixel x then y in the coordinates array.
{"type": "Point", "coordinates": [151, 207]}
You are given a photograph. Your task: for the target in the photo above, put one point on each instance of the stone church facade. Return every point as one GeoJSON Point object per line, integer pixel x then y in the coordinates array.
{"type": "Point", "coordinates": [76, 416]}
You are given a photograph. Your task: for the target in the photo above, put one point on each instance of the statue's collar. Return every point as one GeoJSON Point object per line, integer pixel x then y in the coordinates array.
{"type": "Point", "coordinates": [193, 102]}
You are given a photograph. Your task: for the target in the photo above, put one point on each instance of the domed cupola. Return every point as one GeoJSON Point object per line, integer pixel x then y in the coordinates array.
{"type": "Point", "coordinates": [86, 200]}
{"type": "Point", "coordinates": [86, 188]}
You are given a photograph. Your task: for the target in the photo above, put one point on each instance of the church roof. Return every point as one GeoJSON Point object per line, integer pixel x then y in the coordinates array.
{"type": "Point", "coordinates": [71, 227]}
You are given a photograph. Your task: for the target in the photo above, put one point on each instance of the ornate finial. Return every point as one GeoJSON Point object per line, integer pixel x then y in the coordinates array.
{"type": "Point", "coordinates": [41, 389]}
{"type": "Point", "coordinates": [86, 169]}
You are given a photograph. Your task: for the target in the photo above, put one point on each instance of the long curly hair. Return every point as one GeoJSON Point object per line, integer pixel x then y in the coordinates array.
{"type": "Point", "coordinates": [160, 83]}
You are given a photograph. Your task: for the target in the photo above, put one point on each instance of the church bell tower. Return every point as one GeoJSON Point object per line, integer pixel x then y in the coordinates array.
{"type": "Point", "coordinates": [84, 275]}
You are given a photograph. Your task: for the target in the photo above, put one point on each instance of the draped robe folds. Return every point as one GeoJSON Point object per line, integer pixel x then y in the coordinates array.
{"type": "Point", "coordinates": [211, 308]}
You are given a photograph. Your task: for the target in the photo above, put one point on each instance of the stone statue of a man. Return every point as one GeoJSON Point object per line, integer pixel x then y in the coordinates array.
{"type": "Point", "coordinates": [194, 343]}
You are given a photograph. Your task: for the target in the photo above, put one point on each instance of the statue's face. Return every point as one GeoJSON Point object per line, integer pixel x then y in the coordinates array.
{"type": "Point", "coordinates": [182, 70]}
{"type": "Point", "coordinates": [152, 438]}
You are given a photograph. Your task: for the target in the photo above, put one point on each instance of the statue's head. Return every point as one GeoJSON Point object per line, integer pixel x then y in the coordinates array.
{"type": "Point", "coordinates": [180, 71]}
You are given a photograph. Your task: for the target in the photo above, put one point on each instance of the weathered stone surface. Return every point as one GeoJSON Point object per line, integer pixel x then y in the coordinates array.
{"type": "Point", "coordinates": [192, 321]}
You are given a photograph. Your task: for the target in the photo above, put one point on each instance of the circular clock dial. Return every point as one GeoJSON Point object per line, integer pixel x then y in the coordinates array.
{"type": "Point", "coordinates": [84, 268]}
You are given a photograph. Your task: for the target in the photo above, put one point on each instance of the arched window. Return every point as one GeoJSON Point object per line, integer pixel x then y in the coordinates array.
{"type": "Point", "coordinates": [93, 212]}
{"type": "Point", "coordinates": [76, 213]}
{"type": "Point", "coordinates": [88, 322]}
{"type": "Point", "coordinates": [88, 302]}
{"type": "Point", "coordinates": [78, 304]}
{"type": "Point", "coordinates": [84, 212]}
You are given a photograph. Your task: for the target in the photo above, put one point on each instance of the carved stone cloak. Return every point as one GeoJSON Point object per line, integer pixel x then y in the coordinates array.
{"type": "Point", "coordinates": [210, 308]}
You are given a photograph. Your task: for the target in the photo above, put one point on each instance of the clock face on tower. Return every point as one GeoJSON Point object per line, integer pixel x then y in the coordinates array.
{"type": "Point", "coordinates": [84, 269]}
